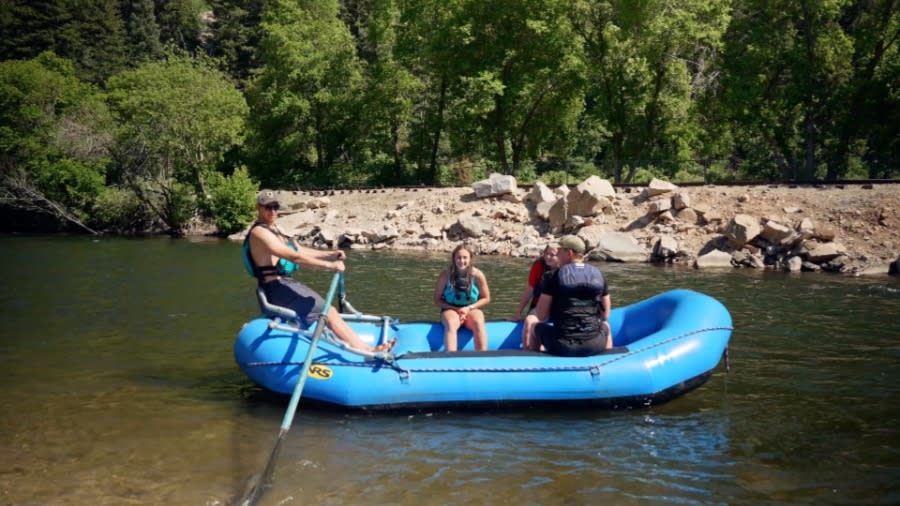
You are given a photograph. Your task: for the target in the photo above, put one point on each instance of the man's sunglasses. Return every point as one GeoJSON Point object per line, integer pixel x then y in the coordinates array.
{"type": "Point", "coordinates": [273, 207]}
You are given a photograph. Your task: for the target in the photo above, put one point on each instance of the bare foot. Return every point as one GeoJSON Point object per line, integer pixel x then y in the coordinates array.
{"type": "Point", "coordinates": [388, 346]}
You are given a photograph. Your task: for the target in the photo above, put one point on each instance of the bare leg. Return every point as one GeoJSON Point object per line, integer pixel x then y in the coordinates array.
{"type": "Point", "coordinates": [529, 340]}
{"type": "Point", "coordinates": [343, 331]}
{"type": "Point", "coordinates": [609, 336]}
{"type": "Point", "coordinates": [450, 319]}
{"type": "Point", "coordinates": [475, 323]}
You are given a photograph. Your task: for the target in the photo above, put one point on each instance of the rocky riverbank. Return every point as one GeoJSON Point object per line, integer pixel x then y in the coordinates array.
{"type": "Point", "coordinates": [851, 229]}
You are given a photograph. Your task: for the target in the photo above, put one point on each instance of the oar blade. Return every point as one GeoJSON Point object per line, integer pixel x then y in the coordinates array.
{"type": "Point", "coordinates": [256, 487]}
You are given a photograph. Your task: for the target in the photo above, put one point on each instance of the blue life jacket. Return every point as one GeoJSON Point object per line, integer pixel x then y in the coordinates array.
{"type": "Point", "coordinates": [282, 268]}
{"type": "Point", "coordinates": [461, 290]}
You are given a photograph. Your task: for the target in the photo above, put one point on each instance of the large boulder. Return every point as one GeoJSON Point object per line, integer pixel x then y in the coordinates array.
{"type": "Point", "coordinates": [775, 232]}
{"type": "Point", "coordinates": [894, 267]}
{"type": "Point", "coordinates": [474, 226]}
{"type": "Point", "coordinates": [659, 205]}
{"type": "Point", "coordinates": [618, 247]}
{"type": "Point", "coordinates": [818, 252]}
{"type": "Point", "coordinates": [666, 248]}
{"type": "Point", "coordinates": [806, 228]}
{"type": "Point", "coordinates": [540, 200]}
{"type": "Point", "coordinates": [742, 229]}
{"type": "Point", "coordinates": [713, 259]}
{"type": "Point", "coordinates": [591, 197]}
{"type": "Point", "coordinates": [687, 216]}
{"type": "Point", "coordinates": [659, 187]}
{"type": "Point", "coordinates": [681, 200]}
{"type": "Point", "coordinates": [592, 234]}
{"type": "Point", "coordinates": [379, 234]}
{"type": "Point", "coordinates": [495, 185]}
{"type": "Point", "coordinates": [540, 193]}
{"type": "Point", "coordinates": [542, 209]}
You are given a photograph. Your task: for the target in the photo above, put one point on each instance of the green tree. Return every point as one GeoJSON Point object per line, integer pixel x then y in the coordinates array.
{"type": "Point", "coordinates": [182, 23]}
{"type": "Point", "coordinates": [785, 59]}
{"type": "Point", "coordinates": [143, 30]}
{"type": "Point", "coordinates": [301, 100]}
{"type": "Point", "coordinates": [235, 37]}
{"type": "Point", "coordinates": [650, 63]}
{"type": "Point", "coordinates": [866, 108]}
{"type": "Point", "coordinates": [428, 44]}
{"type": "Point", "coordinates": [91, 34]}
{"type": "Point", "coordinates": [391, 93]}
{"type": "Point", "coordinates": [53, 139]}
{"type": "Point", "coordinates": [522, 79]}
{"type": "Point", "coordinates": [177, 119]}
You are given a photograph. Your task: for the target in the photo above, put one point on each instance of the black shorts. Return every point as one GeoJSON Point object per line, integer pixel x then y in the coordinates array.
{"type": "Point", "coordinates": [292, 294]}
{"type": "Point", "coordinates": [557, 345]}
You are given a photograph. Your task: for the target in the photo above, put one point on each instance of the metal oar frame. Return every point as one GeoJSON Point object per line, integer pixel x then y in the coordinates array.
{"type": "Point", "coordinates": [286, 319]}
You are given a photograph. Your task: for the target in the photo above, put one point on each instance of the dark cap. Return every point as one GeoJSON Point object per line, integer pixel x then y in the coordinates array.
{"type": "Point", "coordinates": [572, 242]}
{"type": "Point", "coordinates": [266, 197]}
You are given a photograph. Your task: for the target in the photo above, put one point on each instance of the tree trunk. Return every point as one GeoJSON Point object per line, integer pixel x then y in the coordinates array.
{"type": "Point", "coordinates": [18, 191]}
{"type": "Point", "coordinates": [617, 140]}
{"type": "Point", "coordinates": [500, 137]}
{"type": "Point", "coordinates": [809, 171]}
{"type": "Point", "coordinates": [439, 126]}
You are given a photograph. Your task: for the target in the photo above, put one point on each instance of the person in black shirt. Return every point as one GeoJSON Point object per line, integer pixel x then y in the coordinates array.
{"type": "Point", "coordinates": [576, 299]}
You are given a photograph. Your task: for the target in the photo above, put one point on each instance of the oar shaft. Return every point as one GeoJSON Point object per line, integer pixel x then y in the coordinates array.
{"type": "Point", "coordinates": [304, 373]}
{"type": "Point", "coordinates": [256, 490]}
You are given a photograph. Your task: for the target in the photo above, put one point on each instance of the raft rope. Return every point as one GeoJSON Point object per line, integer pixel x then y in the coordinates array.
{"type": "Point", "coordinates": [590, 368]}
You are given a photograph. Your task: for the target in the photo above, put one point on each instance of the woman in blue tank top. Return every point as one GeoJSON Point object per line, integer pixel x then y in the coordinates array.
{"type": "Point", "coordinates": [461, 292]}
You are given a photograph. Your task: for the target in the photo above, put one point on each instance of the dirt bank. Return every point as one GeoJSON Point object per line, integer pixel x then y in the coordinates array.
{"type": "Point", "coordinates": [862, 220]}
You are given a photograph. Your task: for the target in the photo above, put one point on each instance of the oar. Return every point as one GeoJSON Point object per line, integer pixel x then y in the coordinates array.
{"type": "Point", "coordinates": [342, 295]}
{"type": "Point", "coordinates": [344, 305]}
{"type": "Point", "coordinates": [255, 491]}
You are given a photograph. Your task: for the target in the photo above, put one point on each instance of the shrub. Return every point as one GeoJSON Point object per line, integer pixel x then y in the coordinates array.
{"type": "Point", "coordinates": [118, 210]}
{"type": "Point", "coordinates": [230, 203]}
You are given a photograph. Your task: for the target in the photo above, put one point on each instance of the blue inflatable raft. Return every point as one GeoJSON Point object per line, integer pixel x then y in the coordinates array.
{"type": "Point", "coordinates": [665, 346]}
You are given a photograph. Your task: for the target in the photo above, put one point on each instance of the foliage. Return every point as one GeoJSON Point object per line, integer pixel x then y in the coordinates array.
{"type": "Point", "coordinates": [177, 119]}
{"type": "Point", "coordinates": [235, 37]}
{"type": "Point", "coordinates": [649, 62]}
{"type": "Point", "coordinates": [170, 202]}
{"type": "Point", "coordinates": [388, 99]}
{"type": "Point", "coordinates": [90, 34]}
{"type": "Point", "coordinates": [143, 30]}
{"type": "Point", "coordinates": [181, 23]}
{"type": "Point", "coordinates": [176, 205]}
{"type": "Point", "coordinates": [52, 140]}
{"type": "Point", "coordinates": [556, 178]}
{"type": "Point", "coordinates": [355, 92]}
{"type": "Point", "coordinates": [231, 202]}
{"type": "Point", "coordinates": [521, 76]}
{"type": "Point", "coordinates": [804, 84]}
{"type": "Point", "coordinates": [119, 210]}
{"type": "Point", "coordinates": [302, 99]}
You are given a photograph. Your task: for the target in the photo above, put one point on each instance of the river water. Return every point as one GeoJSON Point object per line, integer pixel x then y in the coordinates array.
{"type": "Point", "coordinates": [118, 387]}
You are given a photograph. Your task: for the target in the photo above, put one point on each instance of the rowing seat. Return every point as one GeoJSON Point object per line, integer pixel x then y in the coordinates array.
{"type": "Point", "coordinates": [271, 310]}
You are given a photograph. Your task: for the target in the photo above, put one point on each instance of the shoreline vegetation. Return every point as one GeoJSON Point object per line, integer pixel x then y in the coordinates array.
{"type": "Point", "coordinates": [136, 116]}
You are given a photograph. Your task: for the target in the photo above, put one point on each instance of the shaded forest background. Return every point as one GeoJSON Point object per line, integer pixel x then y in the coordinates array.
{"type": "Point", "coordinates": [140, 115]}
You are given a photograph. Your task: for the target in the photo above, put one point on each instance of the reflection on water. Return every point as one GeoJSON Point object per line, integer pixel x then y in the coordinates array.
{"type": "Point", "coordinates": [119, 388]}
